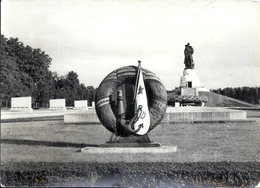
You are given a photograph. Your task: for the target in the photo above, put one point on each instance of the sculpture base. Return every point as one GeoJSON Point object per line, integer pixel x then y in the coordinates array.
{"type": "Point", "coordinates": [129, 145]}
{"type": "Point", "coordinates": [132, 153]}
{"type": "Point", "coordinates": [189, 79]}
{"type": "Point", "coordinates": [130, 141]}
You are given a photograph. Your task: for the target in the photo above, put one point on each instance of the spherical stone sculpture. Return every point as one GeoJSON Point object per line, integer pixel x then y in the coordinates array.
{"type": "Point", "coordinates": [125, 77]}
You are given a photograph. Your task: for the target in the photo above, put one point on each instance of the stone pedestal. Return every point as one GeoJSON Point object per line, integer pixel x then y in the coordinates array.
{"type": "Point", "coordinates": [21, 104]}
{"type": "Point", "coordinates": [189, 79]}
{"type": "Point", "coordinates": [58, 104]}
{"type": "Point", "coordinates": [130, 141]}
{"type": "Point", "coordinates": [177, 104]}
{"type": "Point", "coordinates": [189, 91]}
{"type": "Point", "coordinates": [81, 105]}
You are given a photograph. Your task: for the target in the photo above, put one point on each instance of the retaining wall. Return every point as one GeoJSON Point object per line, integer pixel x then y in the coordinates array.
{"type": "Point", "coordinates": [81, 117]}
{"type": "Point", "coordinates": [182, 114]}
{"type": "Point", "coordinates": [203, 116]}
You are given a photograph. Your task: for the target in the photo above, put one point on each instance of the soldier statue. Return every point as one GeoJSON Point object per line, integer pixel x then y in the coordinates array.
{"type": "Point", "coordinates": [188, 60]}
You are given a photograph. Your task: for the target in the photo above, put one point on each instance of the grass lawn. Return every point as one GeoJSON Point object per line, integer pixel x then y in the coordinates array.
{"type": "Point", "coordinates": [48, 153]}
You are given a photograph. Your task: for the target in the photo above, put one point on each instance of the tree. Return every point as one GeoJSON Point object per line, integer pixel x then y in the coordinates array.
{"type": "Point", "coordinates": [72, 88]}
{"type": "Point", "coordinates": [247, 94]}
{"type": "Point", "coordinates": [28, 66]}
{"type": "Point", "coordinates": [11, 78]}
{"type": "Point", "coordinates": [83, 92]}
{"type": "Point", "coordinates": [25, 72]}
{"type": "Point", "coordinates": [91, 94]}
{"type": "Point", "coordinates": [11, 81]}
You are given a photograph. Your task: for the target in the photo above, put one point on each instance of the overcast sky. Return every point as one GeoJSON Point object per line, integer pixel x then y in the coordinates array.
{"type": "Point", "coordinates": [94, 38]}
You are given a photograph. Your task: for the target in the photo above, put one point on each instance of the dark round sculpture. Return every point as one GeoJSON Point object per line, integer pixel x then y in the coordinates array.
{"type": "Point", "coordinates": [119, 78]}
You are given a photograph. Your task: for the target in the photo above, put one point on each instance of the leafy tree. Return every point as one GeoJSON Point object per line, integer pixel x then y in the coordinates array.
{"type": "Point", "coordinates": [23, 69]}
{"type": "Point", "coordinates": [60, 83]}
{"type": "Point", "coordinates": [11, 78]}
{"type": "Point", "coordinates": [246, 94]}
{"type": "Point", "coordinates": [25, 72]}
{"type": "Point", "coordinates": [72, 88]}
{"type": "Point", "coordinates": [91, 94]}
{"type": "Point", "coordinates": [83, 92]}
{"type": "Point", "coordinates": [11, 81]}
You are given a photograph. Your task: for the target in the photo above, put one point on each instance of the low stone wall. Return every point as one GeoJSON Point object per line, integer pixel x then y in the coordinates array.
{"type": "Point", "coordinates": [204, 116]}
{"type": "Point", "coordinates": [182, 114]}
{"type": "Point", "coordinates": [237, 114]}
{"type": "Point", "coordinates": [81, 117]}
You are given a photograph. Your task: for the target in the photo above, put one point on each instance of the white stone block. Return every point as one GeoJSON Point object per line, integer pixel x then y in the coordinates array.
{"type": "Point", "coordinates": [133, 150]}
{"type": "Point", "coordinates": [81, 117]}
{"type": "Point", "coordinates": [189, 91]}
{"type": "Point", "coordinates": [23, 104]}
{"type": "Point", "coordinates": [187, 114]}
{"type": "Point", "coordinates": [81, 105]}
{"type": "Point", "coordinates": [189, 75]}
{"type": "Point", "coordinates": [58, 104]}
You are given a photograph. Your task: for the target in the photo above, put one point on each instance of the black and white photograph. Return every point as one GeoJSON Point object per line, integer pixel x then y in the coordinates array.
{"type": "Point", "coordinates": [130, 93]}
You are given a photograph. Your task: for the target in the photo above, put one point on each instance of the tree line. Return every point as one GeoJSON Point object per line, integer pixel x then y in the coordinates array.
{"type": "Point", "coordinates": [25, 72]}
{"type": "Point", "coordinates": [246, 94]}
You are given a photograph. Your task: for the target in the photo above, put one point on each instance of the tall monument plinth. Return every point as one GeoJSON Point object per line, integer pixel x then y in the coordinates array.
{"type": "Point", "coordinates": [189, 79]}
{"type": "Point", "coordinates": [188, 91]}
{"type": "Point", "coordinates": [190, 82]}
{"type": "Point", "coordinates": [191, 93]}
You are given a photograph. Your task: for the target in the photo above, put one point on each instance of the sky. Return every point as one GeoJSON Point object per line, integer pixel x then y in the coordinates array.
{"type": "Point", "coordinates": [93, 38]}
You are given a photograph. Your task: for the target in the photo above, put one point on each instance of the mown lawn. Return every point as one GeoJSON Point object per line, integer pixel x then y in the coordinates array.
{"type": "Point", "coordinates": [48, 153]}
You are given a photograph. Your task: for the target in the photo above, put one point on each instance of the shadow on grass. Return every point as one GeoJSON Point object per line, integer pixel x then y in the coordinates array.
{"type": "Point", "coordinates": [46, 143]}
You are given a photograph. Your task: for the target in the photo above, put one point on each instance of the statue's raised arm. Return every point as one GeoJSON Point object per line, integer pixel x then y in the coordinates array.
{"type": "Point", "coordinates": [188, 60]}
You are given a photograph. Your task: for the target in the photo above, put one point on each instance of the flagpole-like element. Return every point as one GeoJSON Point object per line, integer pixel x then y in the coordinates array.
{"type": "Point", "coordinates": [136, 81]}
{"type": "Point", "coordinates": [142, 114]}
